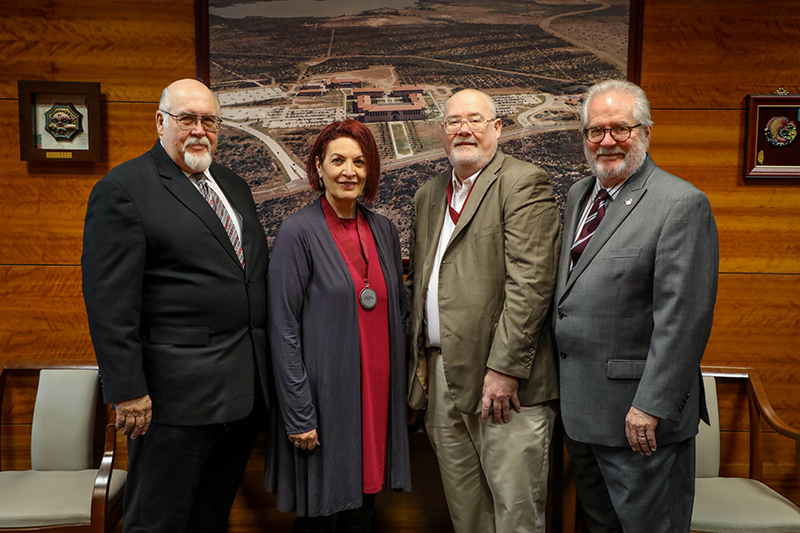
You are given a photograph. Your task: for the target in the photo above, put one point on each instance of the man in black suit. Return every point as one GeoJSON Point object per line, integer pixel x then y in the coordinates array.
{"type": "Point", "coordinates": [174, 278]}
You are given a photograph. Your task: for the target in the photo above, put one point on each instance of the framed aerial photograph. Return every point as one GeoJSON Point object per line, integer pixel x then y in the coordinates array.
{"type": "Point", "coordinates": [772, 149]}
{"type": "Point", "coordinates": [59, 121]}
{"type": "Point", "coordinates": [284, 69]}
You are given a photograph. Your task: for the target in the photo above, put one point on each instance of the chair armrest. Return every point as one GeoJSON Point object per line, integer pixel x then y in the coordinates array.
{"type": "Point", "coordinates": [102, 482]}
{"type": "Point", "coordinates": [766, 410]}
{"type": "Point", "coordinates": [759, 407]}
{"type": "Point", "coordinates": [764, 407]}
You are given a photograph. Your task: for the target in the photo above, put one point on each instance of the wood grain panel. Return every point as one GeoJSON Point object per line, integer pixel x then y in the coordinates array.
{"type": "Point", "coordinates": [710, 54]}
{"type": "Point", "coordinates": [44, 203]}
{"type": "Point", "coordinates": [42, 313]}
{"type": "Point", "coordinates": [755, 219]}
{"type": "Point", "coordinates": [133, 49]}
{"type": "Point", "coordinates": [756, 323]}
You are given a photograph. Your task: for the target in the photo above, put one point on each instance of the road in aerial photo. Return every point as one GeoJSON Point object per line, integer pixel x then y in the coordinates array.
{"type": "Point", "coordinates": [284, 69]}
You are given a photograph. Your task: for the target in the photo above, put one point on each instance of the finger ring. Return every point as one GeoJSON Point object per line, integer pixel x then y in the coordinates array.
{"type": "Point", "coordinates": [641, 436]}
{"type": "Point", "coordinates": [297, 444]}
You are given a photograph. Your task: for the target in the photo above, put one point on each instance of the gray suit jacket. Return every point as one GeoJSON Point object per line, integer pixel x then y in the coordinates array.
{"type": "Point", "coordinates": [634, 316]}
{"type": "Point", "coordinates": [496, 283]}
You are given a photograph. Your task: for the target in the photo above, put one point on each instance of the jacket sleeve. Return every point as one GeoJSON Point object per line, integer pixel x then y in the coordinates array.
{"type": "Point", "coordinates": [112, 265]}
{"type": "Point", "coordinates": [290, 272]}
{"type": "Point", "coordinates": [684, 294]}
{"type": "Point", "coordinates": [531, 238]}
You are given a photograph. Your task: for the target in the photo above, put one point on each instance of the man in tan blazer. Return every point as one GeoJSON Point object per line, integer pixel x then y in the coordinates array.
{"type": "Point", "coordinates": [484, 251]}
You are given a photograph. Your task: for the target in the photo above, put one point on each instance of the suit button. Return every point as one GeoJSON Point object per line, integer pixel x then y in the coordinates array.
{"type": "Point", "coordinates": [563, 355]}
{"type": "Point", "coordinates": [252, 326]}
{"type": "Point", "coordinates": [561, 315]}
{"type": "Point", "coordinates": [248, 284]}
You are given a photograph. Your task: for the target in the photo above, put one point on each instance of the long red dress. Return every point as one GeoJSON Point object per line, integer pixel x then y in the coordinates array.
{"type": "Point", "coordinates": [373, 326]}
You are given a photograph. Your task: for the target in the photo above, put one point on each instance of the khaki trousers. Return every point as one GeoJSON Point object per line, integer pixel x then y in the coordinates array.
{"type": "Point", "coordinates": [494, 475]}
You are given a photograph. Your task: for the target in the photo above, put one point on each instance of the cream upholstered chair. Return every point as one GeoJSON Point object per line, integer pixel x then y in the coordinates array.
{"type": "Point", "coordinates": [62, 491]}
{"type": "Point", "coordinates": [740, 505]}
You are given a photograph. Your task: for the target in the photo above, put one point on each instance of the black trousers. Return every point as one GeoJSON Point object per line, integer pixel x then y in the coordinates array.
{"type": "Point", "coordinates": [185, 478]}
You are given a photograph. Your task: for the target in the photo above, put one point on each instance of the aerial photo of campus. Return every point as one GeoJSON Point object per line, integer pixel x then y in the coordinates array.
{"type": "Point", "coordinates": [284, 69]}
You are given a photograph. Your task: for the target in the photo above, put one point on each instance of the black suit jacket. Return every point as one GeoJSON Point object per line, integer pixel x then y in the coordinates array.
{"type": "Point", "coordinates": [171, 312]}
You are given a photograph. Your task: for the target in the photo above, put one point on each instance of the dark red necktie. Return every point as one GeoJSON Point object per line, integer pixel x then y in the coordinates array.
{"type": "Point", "coordinates": [596, 214]}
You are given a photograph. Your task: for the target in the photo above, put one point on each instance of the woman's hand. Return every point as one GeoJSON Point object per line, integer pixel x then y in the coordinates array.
{"type": "Point", "coordinates": [305, 441]}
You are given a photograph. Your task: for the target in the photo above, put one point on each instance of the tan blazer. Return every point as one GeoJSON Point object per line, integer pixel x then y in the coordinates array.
{"type": "Point", "coordinates": [496, 283]}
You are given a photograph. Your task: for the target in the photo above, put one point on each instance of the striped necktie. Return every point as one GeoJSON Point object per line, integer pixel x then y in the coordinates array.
{"type": "Point", "coordinates": [596, 214]}
{"type": "Point", "coordinates": [216, 204]}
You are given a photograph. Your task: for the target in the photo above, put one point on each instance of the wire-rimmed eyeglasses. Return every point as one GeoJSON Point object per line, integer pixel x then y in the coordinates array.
{"type": "Point", "coordinates": [187, 121]}
{"type": "Point", "coordinates": [475, 123]}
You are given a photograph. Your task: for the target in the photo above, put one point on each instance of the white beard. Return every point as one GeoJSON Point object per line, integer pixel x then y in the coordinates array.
{"type": "Point", "coordinates": [198, 162]}
{"type": "Point", "coordinates": [632, 162]}
{"type": "Point", "coordinates": [468, 156]}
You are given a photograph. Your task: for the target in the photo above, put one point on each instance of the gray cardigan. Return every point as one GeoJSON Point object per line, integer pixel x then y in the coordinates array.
{"type": "Point", "coordinates": [313, 331]}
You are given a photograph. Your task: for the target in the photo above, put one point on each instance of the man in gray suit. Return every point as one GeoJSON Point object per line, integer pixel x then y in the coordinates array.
{"type": "Point", "coordinates": [481, 279]}
{"type": "Point", "coordinates": [635, 298]}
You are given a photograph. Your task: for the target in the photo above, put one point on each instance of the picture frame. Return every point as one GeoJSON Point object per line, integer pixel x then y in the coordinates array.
{"type": "Point", "coordinates": [59, 121]}
{"type": "Point", "coordinates": [203, 49]}
{"type": "Point", "coordinates": [772, 149]}
{"type": "Point", "coordinates": [309, 77]}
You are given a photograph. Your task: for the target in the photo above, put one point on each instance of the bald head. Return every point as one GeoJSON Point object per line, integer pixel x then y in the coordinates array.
{"type": "Point", "coordinates": [186, 84]}
{"type": "Point", "coordinates": [473, 93]}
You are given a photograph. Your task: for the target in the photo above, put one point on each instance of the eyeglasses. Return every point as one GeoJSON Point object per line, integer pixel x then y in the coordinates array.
{"type": "Point", "coordinates": [618, 133]}
{"type": "Point", "coordinates": [187, 121]}
{"type": "Point", "coordinates": [475, 123]}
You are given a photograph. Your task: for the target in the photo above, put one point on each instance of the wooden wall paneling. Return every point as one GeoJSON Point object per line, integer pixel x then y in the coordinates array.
{"type": "Point", "coordinates": [17, 415]}
{"type": "Point", "coordinates": [755, 219]}
{"type": "Point", "coordinates": [132, 49]}
{"type": "Point", "coordinates": [44, 203]}
{"type": "Point", "coordinates": [42, 315]}
{"type": "Point", "coordinates": [756, 321]}
{"type": "Point", "coordinates": [710, 54]}
{"type": "Point", "coordinates": [15, 440]}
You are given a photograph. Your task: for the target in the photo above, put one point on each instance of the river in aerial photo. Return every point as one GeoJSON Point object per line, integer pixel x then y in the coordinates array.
{"type": "Point", "coordinates": [304, 8]}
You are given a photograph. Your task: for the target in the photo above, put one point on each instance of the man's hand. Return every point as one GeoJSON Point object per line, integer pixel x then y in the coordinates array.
{"type": "Point", "coordinates": [499, 394]}
{"type": "Point", "coordinates": [305, 441]}
{"type": "Point", "coordinates": [640, 428]}
{"type": "Point", "coordinates": [133, 416]}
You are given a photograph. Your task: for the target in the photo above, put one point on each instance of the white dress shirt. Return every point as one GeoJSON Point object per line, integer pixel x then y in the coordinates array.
{"type": "Point", "coordinates": [460, 193]}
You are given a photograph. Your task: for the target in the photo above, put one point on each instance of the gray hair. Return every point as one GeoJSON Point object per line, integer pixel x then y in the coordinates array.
{"type": "Point", "coordinates": [641, 105]}
{"type": "Point", "coordinates": [163, 104]}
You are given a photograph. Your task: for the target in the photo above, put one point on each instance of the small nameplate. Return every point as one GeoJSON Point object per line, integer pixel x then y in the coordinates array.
{"type": "Point", "coordinates": [58, 155]}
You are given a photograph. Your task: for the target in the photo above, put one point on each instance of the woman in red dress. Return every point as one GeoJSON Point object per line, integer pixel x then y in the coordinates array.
{"type": "Point", "coordinates": [337, 305]}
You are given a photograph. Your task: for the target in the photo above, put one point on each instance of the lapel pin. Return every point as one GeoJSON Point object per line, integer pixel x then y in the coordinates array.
{"type": "Point", "coordinates": [629, 201]}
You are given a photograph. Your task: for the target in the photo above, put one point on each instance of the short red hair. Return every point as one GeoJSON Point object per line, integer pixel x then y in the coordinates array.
{"type": "Point", "coordinates": [363, 136]}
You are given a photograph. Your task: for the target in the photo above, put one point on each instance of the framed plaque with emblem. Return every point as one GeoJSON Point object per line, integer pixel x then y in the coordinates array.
{"type": "Point", "coordinates": [59, 121]}
{"type": "Point", "coordinates": [772, 149]}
